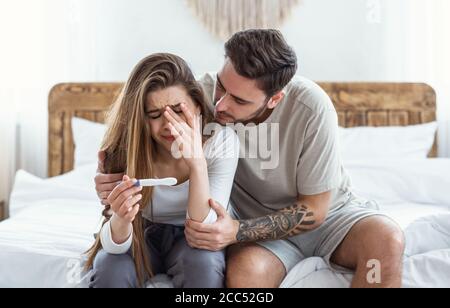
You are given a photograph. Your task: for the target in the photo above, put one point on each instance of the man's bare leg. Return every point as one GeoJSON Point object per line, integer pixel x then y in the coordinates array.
{"type": "Point", "coordinates": [374, 239]}
{"type": "Point", "coordinates": [253, 266]}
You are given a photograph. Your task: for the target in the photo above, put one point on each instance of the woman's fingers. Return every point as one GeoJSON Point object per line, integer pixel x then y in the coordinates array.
{"type": "Point", "coordinates": [119, 189]}
{"type": "Point", "coordinates": [127, 206]}
{"type": "Point", "coordinates": [175, 116]}
{"type": "Point", "coordinates": [132, 214]}
{"type": "Point", "coordinates": [177, 121]}
{"type": "Point", "coordinates": [176, 127]}
{"type": "Point", "coordinates": [180, 125]}
{"type": "Point", "coordinates": [183, 140]}
{"type": "Point", "coordinates": [188, 115]}
{"type": "Point", "coordinates": [188, 138]}
{"type": "Point", "coordinates": [122, 193]}
{"type": "Point", "coordinates": [127, 195]}
{"type": "Point", "coordinates": [172, 117]}
{"type": "Point", "coordinates": [179, 135]}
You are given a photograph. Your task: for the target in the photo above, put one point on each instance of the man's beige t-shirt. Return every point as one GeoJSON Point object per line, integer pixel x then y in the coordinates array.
{"type": "Point", "coordinates": [303, 132]}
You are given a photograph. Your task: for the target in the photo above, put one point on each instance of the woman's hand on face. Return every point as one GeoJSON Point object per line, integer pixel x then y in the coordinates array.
{"type": "Point", "coordinates": [188, 136]}
{"type": "Point", "coordinates": [124, 200]}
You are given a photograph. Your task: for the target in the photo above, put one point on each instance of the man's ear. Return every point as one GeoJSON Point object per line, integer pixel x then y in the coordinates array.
{"type": "Point", "coordinates": [275, 100]}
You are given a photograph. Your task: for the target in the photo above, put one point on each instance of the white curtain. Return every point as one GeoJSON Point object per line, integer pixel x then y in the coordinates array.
{"type": "Point", "coordinates": [21, 28]}
{"type": "Point", "coordinates": [43, 42]}
{"type": "Point", "coordinates": [418, 49]}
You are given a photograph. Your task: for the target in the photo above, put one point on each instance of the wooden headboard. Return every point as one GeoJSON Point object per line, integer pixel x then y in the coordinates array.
{"type": "Point", "coordinates": [357, 104]}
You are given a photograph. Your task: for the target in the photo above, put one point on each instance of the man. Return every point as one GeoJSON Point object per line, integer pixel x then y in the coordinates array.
{"type": "Point", "coordinates": [301, 206]}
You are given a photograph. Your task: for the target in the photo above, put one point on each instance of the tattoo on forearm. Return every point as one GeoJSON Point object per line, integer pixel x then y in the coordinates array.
{"type": "Point", "coordinates": [286, 223]}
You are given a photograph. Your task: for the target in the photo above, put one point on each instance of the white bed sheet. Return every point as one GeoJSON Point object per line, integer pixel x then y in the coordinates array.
{"type": "Point", "coordinates": [53, 222]}
{"type": "Point", "coordinates": [427, 253]}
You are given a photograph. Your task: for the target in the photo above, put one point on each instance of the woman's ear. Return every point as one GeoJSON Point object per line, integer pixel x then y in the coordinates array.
{"type": "Point", "coordinates": [198, 110]}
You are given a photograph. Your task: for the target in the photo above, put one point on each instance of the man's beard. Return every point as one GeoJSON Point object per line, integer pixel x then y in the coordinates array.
{"type": "Point", "coordinates": [254, 118]}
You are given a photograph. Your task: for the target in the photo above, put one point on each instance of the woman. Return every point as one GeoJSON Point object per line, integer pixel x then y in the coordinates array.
{"type": "Point", "coordinates": [154, 131]}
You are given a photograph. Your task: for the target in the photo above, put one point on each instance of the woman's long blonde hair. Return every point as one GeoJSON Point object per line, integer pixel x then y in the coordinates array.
{"type": "Point", "coordinates": [128, 143]}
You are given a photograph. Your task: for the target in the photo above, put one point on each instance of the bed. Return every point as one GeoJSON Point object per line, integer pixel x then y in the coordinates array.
{"type": "Point", "coordinates": [53, 220]}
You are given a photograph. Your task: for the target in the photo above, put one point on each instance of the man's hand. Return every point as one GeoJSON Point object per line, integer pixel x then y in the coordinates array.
{"type": "Point", "coordinates": [213, 237]}
{"type": "Point", "coordinates": [105, 183]}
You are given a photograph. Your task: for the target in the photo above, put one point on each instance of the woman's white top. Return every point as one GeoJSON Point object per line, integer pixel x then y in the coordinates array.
{"type": "Point", "coordinates": [170, 202]}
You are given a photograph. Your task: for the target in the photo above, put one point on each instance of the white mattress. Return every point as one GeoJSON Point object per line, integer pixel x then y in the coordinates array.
{"type": "Point", "coordinates": [53, 222]}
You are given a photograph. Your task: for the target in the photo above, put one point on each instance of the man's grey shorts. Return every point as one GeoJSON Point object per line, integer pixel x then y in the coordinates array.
{"type": "Point", "coordinates": [323, 241]}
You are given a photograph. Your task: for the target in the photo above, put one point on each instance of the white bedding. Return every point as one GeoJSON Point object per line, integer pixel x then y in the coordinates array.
{"type": "Point", "coordinates": [53, 222]}
{"type": "Point", "coordinates": [426, 260]}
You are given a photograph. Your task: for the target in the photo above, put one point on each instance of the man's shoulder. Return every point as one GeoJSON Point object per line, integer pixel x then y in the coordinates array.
{"type": "Point", "coordinates": [208, 78]}
{"type": "Point", "coordinates": [304, 93]}
{"type": "Point", "coordinates": [207, 82]}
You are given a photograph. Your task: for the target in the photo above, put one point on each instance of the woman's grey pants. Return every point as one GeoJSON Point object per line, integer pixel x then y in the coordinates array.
{"type": "Point", "coordinates": [169, 254]}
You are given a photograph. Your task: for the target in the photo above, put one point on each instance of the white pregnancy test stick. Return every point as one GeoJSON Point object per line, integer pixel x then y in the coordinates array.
{"type": "Point", "coordinates": [156, 182]}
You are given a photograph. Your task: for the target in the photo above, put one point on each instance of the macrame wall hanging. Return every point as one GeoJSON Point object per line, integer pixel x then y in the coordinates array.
{"type": "Point", "coordinates": [225, 17]}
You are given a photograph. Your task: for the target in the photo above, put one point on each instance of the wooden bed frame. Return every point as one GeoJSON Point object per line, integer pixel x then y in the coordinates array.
{"type": "Point", "coordinates": [357, 104]}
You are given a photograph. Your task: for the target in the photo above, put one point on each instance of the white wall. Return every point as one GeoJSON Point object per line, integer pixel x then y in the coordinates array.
{"type": "Point", "coordinates": [108, 37]}
{"type": "Point", "coordinates": [334, 41]}
{"type": "Point", "coordinates": [52, 41]}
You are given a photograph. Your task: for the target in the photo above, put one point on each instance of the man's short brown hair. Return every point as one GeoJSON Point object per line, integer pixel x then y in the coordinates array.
{"type": "Point", "coordinates": [264, 56]}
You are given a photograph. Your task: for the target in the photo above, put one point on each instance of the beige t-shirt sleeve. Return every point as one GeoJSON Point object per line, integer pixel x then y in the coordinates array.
{"type": "Point", "coordinates": [319, 168]}
{"type": "Point", "coordinates": [208, 82]}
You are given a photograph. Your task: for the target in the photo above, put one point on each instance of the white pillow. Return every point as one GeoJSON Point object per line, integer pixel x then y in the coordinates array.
{"type": "Point", "coordinates": [408, 142]}
{"type": "Point", "coordinates": [424, 181]}
{"type": "Point", "coordinates": [87, 136]}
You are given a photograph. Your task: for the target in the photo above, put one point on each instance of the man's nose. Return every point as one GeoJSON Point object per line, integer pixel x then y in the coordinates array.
{"type": "Point", "coordinates": [222, 104]}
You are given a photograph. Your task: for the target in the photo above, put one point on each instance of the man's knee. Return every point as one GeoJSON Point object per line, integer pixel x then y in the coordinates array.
{"type": "Point", "coordinates": [113, 271]}
{"type": "Point", "coordinates": [393, 246]}
{"type": "Point", "coordinates": [252, 266]}
{"type": "Point", "coordinates": [384, 241]}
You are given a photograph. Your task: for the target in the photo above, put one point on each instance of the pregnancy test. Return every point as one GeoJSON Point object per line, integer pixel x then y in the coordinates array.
{"type": "Point", "coordinates": [156, 182]}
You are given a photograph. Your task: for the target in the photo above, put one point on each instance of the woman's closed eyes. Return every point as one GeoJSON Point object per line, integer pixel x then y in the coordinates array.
{"type": "Point", "coordinates": [156, 114]}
